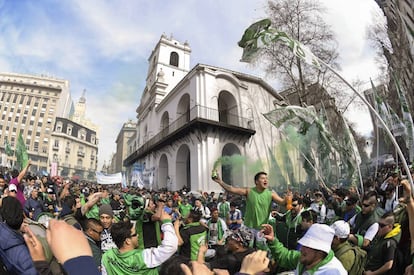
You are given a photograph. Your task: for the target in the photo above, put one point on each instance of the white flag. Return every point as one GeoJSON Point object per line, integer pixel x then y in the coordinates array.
{"type": "Point", "coordinates": [3, 160]}
{"type": "Point", "coordinates": [260, 34]}
{"type": "Point", "coordinates": [397, 126]}
{"type": "Point", "coordinates": [102, 178]}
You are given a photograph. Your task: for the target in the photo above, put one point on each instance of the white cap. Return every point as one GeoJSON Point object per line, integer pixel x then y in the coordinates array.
{"type": "Point", "coordinates": [318, 237]}
{"type": "Point", "coordinates": [341, 229]}
{"type": "Point", "coordinates": [12, 187]}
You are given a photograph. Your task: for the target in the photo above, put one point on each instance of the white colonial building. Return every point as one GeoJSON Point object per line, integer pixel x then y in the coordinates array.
{"type": "Point", "coordinates": [187, 119]}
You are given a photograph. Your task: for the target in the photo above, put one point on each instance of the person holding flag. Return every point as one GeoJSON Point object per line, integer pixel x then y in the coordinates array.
{"type": "Point", "coordinates": [16, 180]}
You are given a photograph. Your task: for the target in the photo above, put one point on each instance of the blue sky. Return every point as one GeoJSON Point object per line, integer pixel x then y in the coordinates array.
{"type": "Point", "coordinates": [103, 46]}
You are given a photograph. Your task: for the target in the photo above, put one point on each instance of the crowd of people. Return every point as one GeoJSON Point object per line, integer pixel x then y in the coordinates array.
{"type": "Point", "coordinates": [51, 225]}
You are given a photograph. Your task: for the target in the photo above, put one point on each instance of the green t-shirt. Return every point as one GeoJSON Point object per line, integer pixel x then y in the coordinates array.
{"type": "Point", "coordinates": [224, 208]}
{"type": "Point", "coordinates": [258, 208]}
{"type": "Point", "coordinates": [131, 262]}
{"type": "Point", "coordinates": [184, 209]}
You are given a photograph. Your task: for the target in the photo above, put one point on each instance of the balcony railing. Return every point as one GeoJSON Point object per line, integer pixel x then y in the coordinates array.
{"type": "Point", "coordinates": [81, 153]}
{"type": "Point", "coordinates": [200, 114]}
{"type": "Point", "coordinates": [67, 150]}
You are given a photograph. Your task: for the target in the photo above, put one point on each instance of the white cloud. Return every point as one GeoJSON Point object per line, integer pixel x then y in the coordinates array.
{"type": "Point", "coordinates": [103, 46]}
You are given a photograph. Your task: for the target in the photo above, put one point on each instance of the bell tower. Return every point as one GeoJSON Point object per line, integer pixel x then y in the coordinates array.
{"type": "Point", "coordinates": [169, 62]}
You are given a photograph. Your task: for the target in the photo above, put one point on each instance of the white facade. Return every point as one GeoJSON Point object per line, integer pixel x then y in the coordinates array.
{"type": "Point", "coordinates": [73, 150]}
{"type": "Point", "coordinates": [212, 112]}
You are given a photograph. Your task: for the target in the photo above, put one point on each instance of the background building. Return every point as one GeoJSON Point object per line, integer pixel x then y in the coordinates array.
{"type": "Point", "coordinates": [125, 134]}
{"type": "Point", "coordinates": [39, 107]}
{"type": "Point", "coordinates": [74, 150]}
{"type": "Point", "coordinates": [29, 105]}
{"type": "Point", "coordinates": [79, 114]}
{"type": "Point", "coordinates": [400, 21]}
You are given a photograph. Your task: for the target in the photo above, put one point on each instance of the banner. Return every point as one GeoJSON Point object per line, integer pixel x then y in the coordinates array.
{"type": "Point", "coordinates": [136, 175]}
{"type": "Point", "coordinates": [124, 181]}
{"type": "Point", "coordinates": [102, 178]}
{"type": "Point", "coordinates": [53, 169]}
{"type": "Point", "coordinates": [3, 160]}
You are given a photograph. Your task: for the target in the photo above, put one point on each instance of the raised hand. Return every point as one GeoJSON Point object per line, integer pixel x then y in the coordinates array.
{"type": "Point", "coordinates": [255, 262]}
{"type": "Point", "coordinates": [268, 232]}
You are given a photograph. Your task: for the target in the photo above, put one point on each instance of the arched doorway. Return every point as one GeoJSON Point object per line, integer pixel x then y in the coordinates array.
{"type": "Point", "coordinates": [232, 172]}
{"type": "Point", "coordinates": [163, 173]}
{"type": "Point", "coordinates": [165, 121]}
{"type": "Point", "coordinates": [183, 168]}
{"type": "Point", "coordinates": [183, 108]}
{"type": "Point", "coordinates": [227, 107]}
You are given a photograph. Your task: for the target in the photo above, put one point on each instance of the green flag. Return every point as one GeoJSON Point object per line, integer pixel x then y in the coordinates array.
{"type": "Point", "coordinates": [21, 152]}
{"type": "Point", "coordinates": [381, 108]}
{"type": "Point", "coordinates": [407, 119]}
{"type": "Point", "coordinates": [260, 34]}
{"type": "Point", "coordinates": [7, 148]}
{"type": "Point", "coordinates": [397, 126]}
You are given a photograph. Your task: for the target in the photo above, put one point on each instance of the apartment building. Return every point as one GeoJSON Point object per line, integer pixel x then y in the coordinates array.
{"type": "Point", "coordinates": [29, 105]}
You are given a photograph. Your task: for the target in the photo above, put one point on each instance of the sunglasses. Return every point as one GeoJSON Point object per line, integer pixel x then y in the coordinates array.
{"type": "Point", "coordinates": [13, 191]}
{"type": "Point", "coordinates": [381, 225]}
{"type": "Point", "coordinates": [366, 205]}
{"type": "Point", "coordinates": [294, 205]}
{"type": "Point", "coordinates": [133, 235]}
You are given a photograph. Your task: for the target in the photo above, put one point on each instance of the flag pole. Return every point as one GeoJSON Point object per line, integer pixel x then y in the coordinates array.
{"type": "Point", "coordinates": [377, 143]}
{"type": "Point", "coordinates": [259, 34]}
{"type": "Point", "coordinates": [351, 137]}
{"type": "Point", "coordinates": [387, 130]}
{"type": "Point", "coordinates": [376, 132]}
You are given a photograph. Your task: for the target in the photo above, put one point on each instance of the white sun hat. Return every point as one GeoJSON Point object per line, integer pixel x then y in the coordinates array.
{"type": "Point", "coordinates": [318, 237]}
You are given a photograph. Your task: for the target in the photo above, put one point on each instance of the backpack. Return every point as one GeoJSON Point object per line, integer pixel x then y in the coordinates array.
{"type": "Point", "coordinates": [360, 258]}
{"type": "Point", "coordinates": [400, 262]}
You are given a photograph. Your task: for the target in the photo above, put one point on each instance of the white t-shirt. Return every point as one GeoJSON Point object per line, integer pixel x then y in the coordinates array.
{"type": "Point", "coordinates": [371, 231]}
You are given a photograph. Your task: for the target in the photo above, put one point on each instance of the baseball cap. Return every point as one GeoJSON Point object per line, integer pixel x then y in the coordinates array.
{"type": "Point", "coordinates": [12, 187]}
{"type": "Point", "coordinates": [341, 229]}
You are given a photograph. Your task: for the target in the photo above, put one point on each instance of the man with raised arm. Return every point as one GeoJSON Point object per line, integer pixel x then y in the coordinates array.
{"type": "Point", "coordinates": [259, 200]}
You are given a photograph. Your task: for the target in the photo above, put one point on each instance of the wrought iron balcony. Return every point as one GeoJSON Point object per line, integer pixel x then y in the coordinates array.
{"type": "Point", "coordinates": [197, 117]}
{"type": "Point", "coordinates": [81, 153]}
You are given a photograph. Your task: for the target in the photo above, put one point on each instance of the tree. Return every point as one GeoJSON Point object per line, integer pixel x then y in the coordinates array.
{"type": "Point", "coordinates": [377, 35]}
{"type": "Point", "coordinates": [302, 21]}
